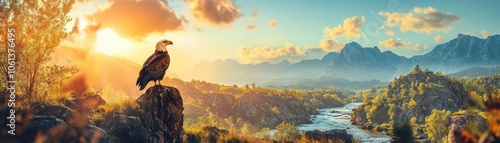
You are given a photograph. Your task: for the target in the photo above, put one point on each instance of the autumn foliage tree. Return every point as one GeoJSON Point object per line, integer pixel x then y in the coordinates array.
{"type": "Point", "coordinates": [39, 27]}
{"type": "Point", "coordinates": [436, 125]}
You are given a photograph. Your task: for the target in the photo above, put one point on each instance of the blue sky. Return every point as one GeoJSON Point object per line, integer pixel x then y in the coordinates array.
{"type": "Point", "coordinates": [206, 34]}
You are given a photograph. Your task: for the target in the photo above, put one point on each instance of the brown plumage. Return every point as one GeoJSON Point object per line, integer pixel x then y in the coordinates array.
{"type": "Point", "coordinates": [155, 66]}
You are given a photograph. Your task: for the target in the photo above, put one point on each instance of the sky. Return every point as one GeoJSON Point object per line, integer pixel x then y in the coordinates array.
{"type": "Point", "coordinates": [255, 31]}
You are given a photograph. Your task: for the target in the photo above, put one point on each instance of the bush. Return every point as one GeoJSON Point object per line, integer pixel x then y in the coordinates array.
{"type": "Point", "coordinates": [286, 131]}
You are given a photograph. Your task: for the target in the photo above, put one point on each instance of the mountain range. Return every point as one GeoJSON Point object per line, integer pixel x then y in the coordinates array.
{"type": "Point", "coordinates": [357, 63]}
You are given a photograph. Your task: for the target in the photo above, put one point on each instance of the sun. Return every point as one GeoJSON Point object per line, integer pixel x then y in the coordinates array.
{"type": "Point", "coordinates": [110, 43]}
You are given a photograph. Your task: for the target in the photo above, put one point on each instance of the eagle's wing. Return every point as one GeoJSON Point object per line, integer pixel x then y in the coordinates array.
{"type": "Point", "coordinates": [154, 58]}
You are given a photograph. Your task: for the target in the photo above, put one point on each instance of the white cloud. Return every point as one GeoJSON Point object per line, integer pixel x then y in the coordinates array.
{"type": "Point", "coordinates": [438, 38]}
{"type": "Point", "coordinates": [421, 20]}
{"type": "Point", "coordinates": [273, 23]}
{"type": "Point", "coordinates": [331, 45]}
{"type": "Point", "coordinates": [349, 29]}
{"type": "Point", "coordinates": [386, 30]}
{"type": "Point", "coordinates": [249, 54]}
{"type": "Point", "coordinates": [395, 43]}
{"type": "Point", "coordinates": [485, 33]}
{"type": "Point", "coordinates": [214, 12]}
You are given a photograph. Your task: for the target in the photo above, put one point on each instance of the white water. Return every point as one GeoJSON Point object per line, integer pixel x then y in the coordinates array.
{"type": "Point", "coordinates": [326, 120]}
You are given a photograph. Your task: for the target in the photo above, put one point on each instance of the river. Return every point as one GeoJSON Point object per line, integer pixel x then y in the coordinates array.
{"type": "Point", "coordinates": [326, 120]}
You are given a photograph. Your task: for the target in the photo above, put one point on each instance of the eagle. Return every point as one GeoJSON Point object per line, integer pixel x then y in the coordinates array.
{"type": "Point", "coordinates": [155, 66]}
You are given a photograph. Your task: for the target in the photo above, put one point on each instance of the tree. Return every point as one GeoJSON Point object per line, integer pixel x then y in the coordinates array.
{"type": "Point", "coordinates": [247, 128]}
{"type": "Point", "coordinates": [212, 120]}
{"type": "Point", "coordinates": [366, 98]}
{"type": "Point", "coordinates": [416, 70]}
{"type": "Point", "coordinates": [435, 125]}
{"type": "Point", "coordinates": [412, 103]}
{"type": "Point", "coordinates": [39, 28]}
{"type": "Point", "coordinates": [402, 132]}
{"type": "Point", "coordinates": [286, 131]}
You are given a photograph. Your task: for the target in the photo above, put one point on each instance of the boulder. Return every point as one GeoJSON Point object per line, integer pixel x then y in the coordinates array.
{"type": "Point", "coordinates": [358, 116]}
{"type": "Point", "coordinates": [460, 122]}
{"type": "Point", "coordinates": [52, 129]}
{"type": "Point", "coordinates": [215, 131]}
{"type": "Point", "coordinates": [84, 102]}
{"type": "Point", "coordinates": [165, 104]}
{"type": "Point", "coordinates": [48, 129]}
{"type": "Point", "coordinates": [333, 135]}
{"type": "Point", "coordinates": [58, 111]}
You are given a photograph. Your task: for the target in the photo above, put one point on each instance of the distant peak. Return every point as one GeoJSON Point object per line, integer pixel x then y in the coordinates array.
{"type": "Point", "coordinates": [225, 61]}
{"type": "Point", "coordinates": [284, 62]}
{"type": "Point", "coordinates": [330, 56]}
{"type": "Point", "coordinates": [231, 60]}
{"type": "Point", "coordinates": [376, 48]}
{"type": "Point", "coordinates": [464, 36]}
{"type": "Point", "coordinates": [353, 44]}
{"type": "Point", "coordinates": [493, 36]}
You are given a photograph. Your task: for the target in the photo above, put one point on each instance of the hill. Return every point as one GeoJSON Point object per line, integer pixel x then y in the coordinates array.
{"type": "Point", "coordinates": [413, 98]}
{"type": "Point", "coordinates": [476, 72]}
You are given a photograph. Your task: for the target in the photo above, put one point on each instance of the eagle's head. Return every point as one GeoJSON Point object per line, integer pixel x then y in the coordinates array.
{"type": "Point", "coordinates": [162, 45]}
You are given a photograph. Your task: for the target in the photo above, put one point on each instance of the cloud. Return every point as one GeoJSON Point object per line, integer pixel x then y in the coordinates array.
{"type": "Point", "coordinates": [251, 27]}
{"type": "Point", "coordinates": [400, 43]}
{"type": "Point", "coordinates": [395, 43]}
{"type": "Point", "coordinates": [438, 38]}
{"type": "Point", "coordinates": [249, 54]}
{"type": "Point", "coordinates": [137, 19]}
{"type": "Point", "coordinates": [426, 46]}
{"type": "Point", "coordinates": [254, 14]}
{"type": "Point", "coordinates": [386, 31]}
{"type": "Point", "coordinates": [350, 28]}
{"type": "Point", "coordinates": [214, 12]}
{"type": "Point", "coordinates": [184, 18]}
{"type": "Point", "coordinates": [415, 47]}
{"type": "Point", "coordinates": [273, 23]}
{"type": "Point", "coordinates": [331, 45]}
{"type": "Point", "coordinates": [485, 33]}
{"type": "Point", "coordinates": [421, 20]}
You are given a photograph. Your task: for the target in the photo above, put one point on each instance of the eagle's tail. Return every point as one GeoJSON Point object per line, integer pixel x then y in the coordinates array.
{"type": "Point", "coordinates": [142, 81]}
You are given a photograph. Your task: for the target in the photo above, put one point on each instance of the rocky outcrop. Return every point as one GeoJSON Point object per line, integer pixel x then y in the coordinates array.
{"type": "Point", "coordinates": [428, 91]}
{"type": "Point", "coordinates": [460, 122]}
{"type": "Point", "coordinates": [414, 95]}
{"type": "Point", "coordinates": [159, 119]}
{"type": "Point", "coordinates": [358, 116]}
{"type": "Point", "coordinates": [165, 104]}
{"type": "Point", "coordinates": [330, 135]}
